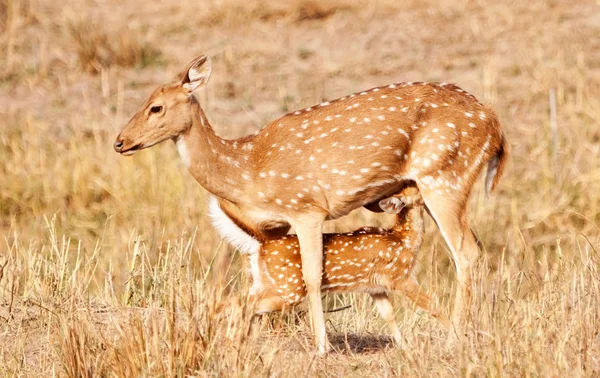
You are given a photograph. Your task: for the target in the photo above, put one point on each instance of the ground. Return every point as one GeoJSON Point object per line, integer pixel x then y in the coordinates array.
{"type": "Point", "coordinates": [110, 267]}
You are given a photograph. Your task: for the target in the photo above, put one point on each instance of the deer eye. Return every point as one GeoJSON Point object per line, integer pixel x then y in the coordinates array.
{"type": "Point", "coordinates": [156, 109]}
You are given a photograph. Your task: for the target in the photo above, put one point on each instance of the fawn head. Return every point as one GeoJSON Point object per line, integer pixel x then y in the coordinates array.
{"type": "Point", "coordinates": [167, 112]}
{"type": "Point", "coordinates": [408, 196]}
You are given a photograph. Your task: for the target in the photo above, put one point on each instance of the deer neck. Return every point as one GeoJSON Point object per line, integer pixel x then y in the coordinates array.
{"type": "Point", "coordinates": [215, 163]}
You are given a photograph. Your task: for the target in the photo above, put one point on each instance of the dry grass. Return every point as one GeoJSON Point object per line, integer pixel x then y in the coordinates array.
{"type": "Point", "coordinates": [98, 50]}
{"type": "Point", "coordinates": [233, 12]}
{"type": "Point", "coordinates": [110, 268]}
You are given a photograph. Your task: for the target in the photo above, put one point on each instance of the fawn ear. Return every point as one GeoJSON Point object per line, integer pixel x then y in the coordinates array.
{"type": "Point", "coordinates": [197, 74]}
{"type": "Point", "coordinates": [391, 205]}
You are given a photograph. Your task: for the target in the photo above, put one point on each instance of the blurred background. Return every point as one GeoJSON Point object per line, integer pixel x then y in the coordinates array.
{"type": "Point", "coordinates": [72, 74]}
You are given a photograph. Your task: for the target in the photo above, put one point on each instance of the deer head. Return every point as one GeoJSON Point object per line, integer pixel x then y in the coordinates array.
{"type": "Point", "coordinates": [167, 113]}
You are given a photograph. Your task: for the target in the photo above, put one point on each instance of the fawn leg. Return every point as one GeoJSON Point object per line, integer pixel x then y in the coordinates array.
{"type": "Point", "coordinates": [414, 292]}
{"type": "Point", "coordinates": [386, 310]}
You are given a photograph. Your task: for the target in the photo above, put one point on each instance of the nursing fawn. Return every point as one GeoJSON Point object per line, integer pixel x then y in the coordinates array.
{"type": "Point", "coordinates": [369, 260]}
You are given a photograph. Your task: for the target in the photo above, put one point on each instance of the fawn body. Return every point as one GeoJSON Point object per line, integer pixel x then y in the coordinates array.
{"type": "Point", "coordinates": [372, 260]}
{"type": "Point", "coordinates": [324, 161]}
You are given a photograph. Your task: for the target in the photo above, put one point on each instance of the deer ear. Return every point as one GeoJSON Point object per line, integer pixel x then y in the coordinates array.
{"type": "Point", "coordinates": [391, 205]}
{"type": "Point", "coordinates": [197, 74]}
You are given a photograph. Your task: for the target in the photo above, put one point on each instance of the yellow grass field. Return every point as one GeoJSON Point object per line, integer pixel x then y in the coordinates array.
{"type": "Point", "coordinates": [109, 266]}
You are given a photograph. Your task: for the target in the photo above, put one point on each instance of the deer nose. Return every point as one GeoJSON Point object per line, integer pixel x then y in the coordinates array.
{"type": "Point", "coordinates": [118, 145]}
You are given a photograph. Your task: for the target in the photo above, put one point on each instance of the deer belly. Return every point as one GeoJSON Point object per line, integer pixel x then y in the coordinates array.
{"type": "Point", "coordinates": [342, 202]}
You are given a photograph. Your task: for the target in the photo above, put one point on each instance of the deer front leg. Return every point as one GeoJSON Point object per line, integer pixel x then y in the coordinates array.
{"type": "Point", "coordinates": [310, 237]}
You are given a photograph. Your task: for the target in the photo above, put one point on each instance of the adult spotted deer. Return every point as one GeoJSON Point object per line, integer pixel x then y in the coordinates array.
{"type": "Point", "coordinates": [322, 162]}
{"type": "Point", "coordinates": [369, 260]}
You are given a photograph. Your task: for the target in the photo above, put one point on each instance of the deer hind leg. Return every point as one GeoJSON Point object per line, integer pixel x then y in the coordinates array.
{"type": "Point", "coordinates": [415, 293]}
{"type": "Point", "coordinates": [449, 213]}
{"type": "Point", "coordinates": [310, 237]}
{"type": "Point", "coordinates": [386, 310]}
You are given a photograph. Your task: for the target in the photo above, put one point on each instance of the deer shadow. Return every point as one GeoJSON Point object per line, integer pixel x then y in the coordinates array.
{"type": "Point", "coordinates": [360, 344]}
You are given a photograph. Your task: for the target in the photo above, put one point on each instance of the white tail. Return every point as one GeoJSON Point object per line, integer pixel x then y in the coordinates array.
{"type": "Point", "coordinates": [324, 161]}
